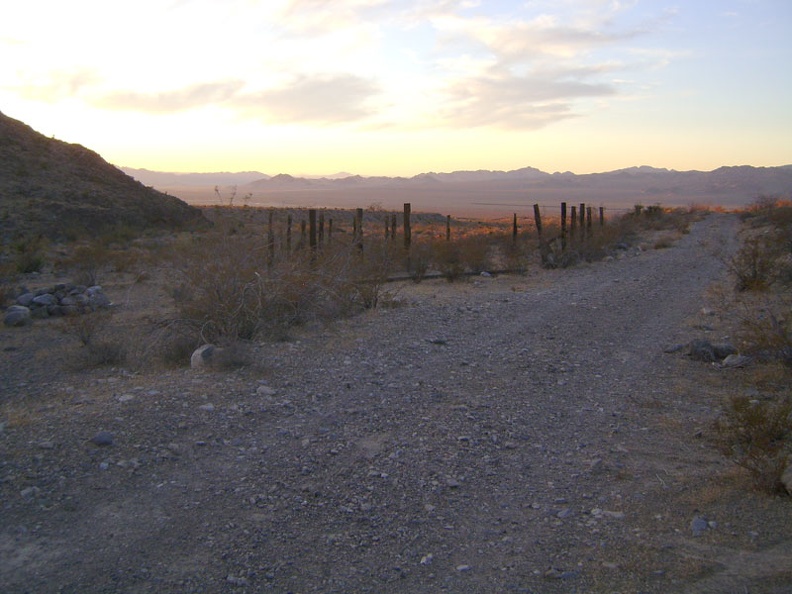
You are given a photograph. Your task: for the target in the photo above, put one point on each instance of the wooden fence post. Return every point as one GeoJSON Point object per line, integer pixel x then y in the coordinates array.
{"type": "Point", "coordinates": [394, 223]}
{"type": "Point", "coordinates": [538, 221]}
{"type": "Point", "coordinates": [563, 225]}
{"type": "Point", "coordinates": [270, 240]}
{"type": "Point", "coordinates": [407, 227]}
{"type": "Point", "coordinates": [573, 222]}
{"type": "Point", "coordinates": [302, 234]}
{"type": "Point", "coordinates": [321, 230]}
{"type": "Point", "coordinates": [312, 229]}
{"type": "Point", "coordinates": [582, 220]}
{"type": "Point", "coordinates": [359, 220]}
{"type": "Point", "coordinates": [330, 231]}
{"type": "Point", "coordinates": [588, 219]}
{"type": "Point", "coordinates": [514, 228]}
{"type": "Point", "coordinates": [602, 216]}
{"type": "Point", "coordinates": [448, 227]}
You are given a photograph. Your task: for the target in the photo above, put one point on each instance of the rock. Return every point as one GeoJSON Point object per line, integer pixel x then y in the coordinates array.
{"type": "Point", "coordinates": [698, 526]}
{"type": "Point", "coordinates": [786, 477]}
{"type": "Point", "coordinates": [25, 299]}
{"type": "Point", "coordinates": [736, 361]}
{"type": "Point", "coordinates": [204, 356]}
{"type": "Point", "coordinates": [96, 297]}
{"type": "Point", "coordinates": [45, 300]}
{"type": "Point", "coordinates": [463, 568]}
{"type": "Point", "coordinates": [266, 391]}
{"type": "Point", "coordinates": [702, 350]}
{"type": "Point", "coordinates": [17, 315]}
{"type": "Point", "coordinates": [102, 439]}
{"type": "Point", "coordinates": [675, 348]}
{"type": "Point", "coordinates": [723, 350]}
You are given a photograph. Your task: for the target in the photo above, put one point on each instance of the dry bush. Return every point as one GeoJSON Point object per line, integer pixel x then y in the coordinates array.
{"type": "Point", "coordinates": [760, 262]}
{"type": "Point", "coordinates": [757, 435]}
{"type": "Point", "coordinates": [101, 343]}
{"type": "Point", "coordinates": [30, 254]}
{"type": "Point", "coordinates": [231, 288]}
{"type": "Point", "coordinates": [767, 331]}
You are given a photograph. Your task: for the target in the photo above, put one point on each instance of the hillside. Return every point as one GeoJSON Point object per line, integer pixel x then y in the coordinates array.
{"type": "Point", "coordinates": [61, 190]}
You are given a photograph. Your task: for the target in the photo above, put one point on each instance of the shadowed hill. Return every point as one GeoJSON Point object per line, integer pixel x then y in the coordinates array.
{"type": "Point", "coordinates": [59, 190]}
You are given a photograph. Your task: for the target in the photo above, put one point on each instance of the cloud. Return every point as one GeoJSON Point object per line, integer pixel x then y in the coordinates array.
{"type": "Point", "coordinates": [320, 99]}
{"type": "Point", "coordinates": [502, 100]}
{"type": "Point", "coordinates": [193, 96]}
{"type": "Point", "coordinates": [55, 86]}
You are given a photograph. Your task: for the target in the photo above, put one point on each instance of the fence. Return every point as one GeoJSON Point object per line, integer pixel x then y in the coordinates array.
{"type": "Point", "coordinates": [314, 234]}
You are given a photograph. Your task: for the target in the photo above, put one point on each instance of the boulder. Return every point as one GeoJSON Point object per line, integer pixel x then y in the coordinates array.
{"type": "Point", "coordinates": [205, 356]}
{"type": "Point", "coordinates": [17, 315]}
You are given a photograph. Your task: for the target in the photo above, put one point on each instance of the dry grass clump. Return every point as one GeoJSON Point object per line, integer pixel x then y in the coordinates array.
{"type": "Point", "coordinates": [101, 343]}
{"type": "Point", "coordinates": [757, 435]}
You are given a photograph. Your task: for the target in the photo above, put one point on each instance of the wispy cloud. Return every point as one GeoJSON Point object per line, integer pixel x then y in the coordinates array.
{"type": "Point", "coordinates": [323, 99]}
{"type": "Point", "coordinates": [190, 97]}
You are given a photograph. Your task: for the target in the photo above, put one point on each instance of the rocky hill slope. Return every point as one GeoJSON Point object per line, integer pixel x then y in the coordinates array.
{"type": "Point", "coordinates": [59, 190]}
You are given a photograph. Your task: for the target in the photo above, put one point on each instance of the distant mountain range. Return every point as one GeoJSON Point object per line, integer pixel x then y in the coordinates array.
{"type": "Point", "coordinates": [486, 191]}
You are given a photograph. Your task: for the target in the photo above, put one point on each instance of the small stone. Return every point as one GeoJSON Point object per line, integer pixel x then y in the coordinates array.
{"type": "Point", "coordinates": [207, 407]}
{"type": "Point", "coordinates": [236, 581]}
{"type": "Point", "coordinates": [103, 438]}
{"type": "Point", "coordinates": [427, 559]}
{"type": "Point", "coordinates": [698, 526]}
{"type": "Point", "coordinates": [735, 360]}
{"type": "Point", "coordinates": [463, 568]}
{"type": "Point", "coordinates": [29, 493]}
{"type": "Point", "coordinates": [266, 391]}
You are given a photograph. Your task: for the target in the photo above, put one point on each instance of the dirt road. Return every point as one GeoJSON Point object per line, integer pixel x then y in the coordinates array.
{"type": "Point", "coordinates": [510, 434]}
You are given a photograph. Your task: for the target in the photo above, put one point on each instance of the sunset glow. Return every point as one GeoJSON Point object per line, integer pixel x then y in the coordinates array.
{"type": "Point", "coordinates": [382, 87]}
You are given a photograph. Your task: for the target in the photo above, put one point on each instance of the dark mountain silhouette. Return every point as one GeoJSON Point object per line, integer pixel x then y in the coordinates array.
{"type": "Point", "coordinates": [56, 189]}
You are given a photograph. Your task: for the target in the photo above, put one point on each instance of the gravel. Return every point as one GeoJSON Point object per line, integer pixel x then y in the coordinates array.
{"type": "Point", "coordinates": [505, 434]}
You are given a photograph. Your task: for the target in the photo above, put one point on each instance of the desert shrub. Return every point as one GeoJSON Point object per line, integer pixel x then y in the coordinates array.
{"type": "Point", "coordinates": [101, 344]}
{"type": "Point", "coordinates": [757, 435]}
{"type": "Point", "coordinates": [447, 258]}
{"type": "Point", "coordinates": [767, 332]}
{"type": "Point", "coordinates": [474, 253]}
{"type": "Point", "coordinates": [87, 262]}
{"type": "Point", "coordinates": [365, 275]}
{"type": "Point", "coordinates": [419, 260]}
{"type": "Point", "coordinates": [758, 263]}
{"type": "Point", "coordinates": [231, 288]}
{"type": "Point", "coordinates": [30, 254]}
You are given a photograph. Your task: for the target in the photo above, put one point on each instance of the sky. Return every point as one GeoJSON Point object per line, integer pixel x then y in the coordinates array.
{"type": "Point", "coordinates": [402, 87]}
